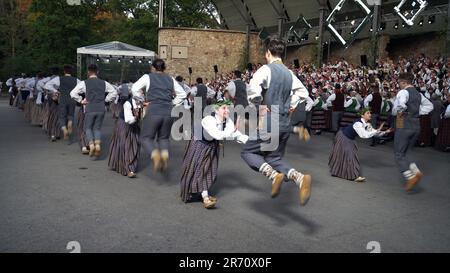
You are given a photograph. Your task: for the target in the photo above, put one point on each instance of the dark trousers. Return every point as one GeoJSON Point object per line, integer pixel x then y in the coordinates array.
{"type": "Point", "coordinates": [374, 121]}
{"type": "Point", "coordinates": [251, 153]}
{"type": "Point", "coordinates": [155, 132]}
{"type": "Point", "coordinates": [336, 120]}
{"type": "Point", "coordinates": [93, 125]}
{"type": "Point", "coordinates": [404, 140]}
{"type": "Point", "coordinates": [66, 112]}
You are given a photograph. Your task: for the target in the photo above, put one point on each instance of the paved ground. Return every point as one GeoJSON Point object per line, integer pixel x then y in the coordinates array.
{"type": "Point", "coordinates": [50, 194]}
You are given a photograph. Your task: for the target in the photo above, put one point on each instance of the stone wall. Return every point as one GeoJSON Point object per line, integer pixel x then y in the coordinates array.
{"type": "Point", "coordinates": [431, 44]}
{"type": "Point", "coordinates": [201, 49]}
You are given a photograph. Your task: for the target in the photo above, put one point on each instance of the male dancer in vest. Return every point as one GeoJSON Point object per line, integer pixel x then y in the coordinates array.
{"type": "Point", "coordinates": [284, 92]}
{"type": "Point", "coordinates": [62, 85]}
{"type": "Point", "coordinates": [373, 102]}
{"type": "Point", "coordinates": [408, 103]}
{"type": "Point", "coordinates": [159, 89]}
{"type": "Point", "coordinates": [95, 90]}
{"type": "Point", "coordinates": [336, 100]}
{"type": "Point", "coordinates": [202, 91]}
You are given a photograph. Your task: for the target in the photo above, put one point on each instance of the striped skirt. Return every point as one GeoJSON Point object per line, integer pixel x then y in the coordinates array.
{"type": "Point", "coordinates": [37, 113]}
{"type": "Point", "coordinates": [53, 128]}
{"type": "Point", "coordinates": [28, 107]}
{"type": "Point", "coordinates": [81, 134]}
{"type": "Point", "coordinates": [348, 118]}
{"type": "Point", "coordinates": [124, 148]}
{"type": "Point", "coordinates": [115, 109]}
{"type": "Point", "coordinates": [425, 130]}
{"type": "Point", "coordinates": [45, 114]}
{"type": "Point", "coordinates": [318, 120]}
{"type": "Point", "coordinates": [343, 161]}
{"type": "Point", "coordinates": [443, 136]}
{"type": "Point", "coordinates": [199, 169]}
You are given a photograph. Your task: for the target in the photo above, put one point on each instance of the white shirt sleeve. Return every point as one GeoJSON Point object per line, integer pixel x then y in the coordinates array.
{"type": "Point", "coordinates": [309, 104]}
{"type": "Point", "coordinates": [77, 91]}
{"type": "Point", "coordinates": [180, 94]}
{"type": "Point", "coordinates": [136, 89]}
{"type": "Point", "coordinates": [52, 85]}
{"type": "Point", "coordinates": [260, 79]}
{"type": "Point", "coordinates": [128, 113]}
{"type": "Point", "coordinates": [400, 102]}
{"type": "Point", "coordinates": [210, 125]}
{"type": "Point", "coordinates": [299, 92]}
{"type": "Point", "coordinates": [210, 93]}
{"type": "Point", "coordinates": [231, 87]}
{"type": "Point", "coordinates": [425, 106]}
{"type": "Point", "coordinates": [194, 91]}
{"type": "Point", "coordinates": [367, 100]}
{"type": "Point", "coordinates": [363, 132]}
{"type": "Point", "coordinates": [331, 99]}
{"type": "Point", "coordinates": [111, 91]}
{"type": "Point", "coordinates": [447, 112]}
{"type": "Point", "coordinates": [348, 103]}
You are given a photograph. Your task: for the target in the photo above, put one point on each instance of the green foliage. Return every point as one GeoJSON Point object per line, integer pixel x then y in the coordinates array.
{"type": "Point", "coordinates": [47, 32]}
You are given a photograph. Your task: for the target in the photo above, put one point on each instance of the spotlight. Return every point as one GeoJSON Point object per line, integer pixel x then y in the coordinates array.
{"type": "Point", "coordinates": [396, 25]}
{"type": "Point", "coordinates": [421, 22]}
{"type": "Point", "coordinates": [382, 26]}
{"type": "Point", "coordinates": [403, 25]}
{"type": "Point", "coordinates": [371, 29]}
{"type": "Point", "coordinates": [431, 19]}
{"type": "Point", "coordinates": [118, 60]}
{"type": "Point", "coordinates": [317, 36]}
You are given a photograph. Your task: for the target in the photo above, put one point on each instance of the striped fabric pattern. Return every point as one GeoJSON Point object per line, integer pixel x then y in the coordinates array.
{"type": "Point", "coordinates": [200, 164]}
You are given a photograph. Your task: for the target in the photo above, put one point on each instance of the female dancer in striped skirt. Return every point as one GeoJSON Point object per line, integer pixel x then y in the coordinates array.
{"type": "Point", "coordinates": [201, 159]}
{"type": "Point", "coordinates": [81, 133]}
{"type": "Point", "coordinates": [351, 111]}
{"type": "Point", "coordinates": [318, 122]}
{"type": "Point", "coordinates": [344, 162]}
{"type": "Point", "coordinates": [124, 147]}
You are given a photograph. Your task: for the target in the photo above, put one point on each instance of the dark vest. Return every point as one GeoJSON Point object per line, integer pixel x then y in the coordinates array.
{"type": "Point", "coordinates": [160, 94]}
{"type": "Point", "coordinates": [279, 94]}
{"type": "Point", "coordinates": [202, 92]}
{"type": "Point", "coordinates": [338, 103]}
{"type": "Point", "coordinates": [241, 93]}
{"type": "Point", "coordinates": [66, 84]}
{"type": "Point", "coordinates": [95, 95]}
{"type": "Point", "coordinates": [349, 131]}
{"type": "Point", "coordinates": [413, 104]}
{"type": "Point", "coordinates": [375, 104]}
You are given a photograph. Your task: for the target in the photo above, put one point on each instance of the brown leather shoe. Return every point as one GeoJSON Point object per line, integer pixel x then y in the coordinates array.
{"type": "Point", "coordinates": [411, 183]}
{"type": "Point", "coordinates": [208, 203]}
{"type": "Point", "coordinates": [156, 158]}
{"type": "Point", "coordinates": [276, 184]}
{"type": "Point", "coordinates": [212, 198]}
{"type": "Point", "coordinates": [70, 127]}
{"type": "Point", "coordinates": [306, 135]}
{"type": "Point", "coordinates": [131, 175]}
{"type": "Point", "coordinates": [98, 148]}
{"type": "Point", "coordinates": [65, 133]}
{"type": "Point", "coordinates": [91, 149]}
{"type": "Point", "coordinates": [305, 189]}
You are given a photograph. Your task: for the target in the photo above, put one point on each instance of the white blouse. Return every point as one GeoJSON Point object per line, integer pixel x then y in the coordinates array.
{"type": "Point", "coordinates": [214, 128]}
